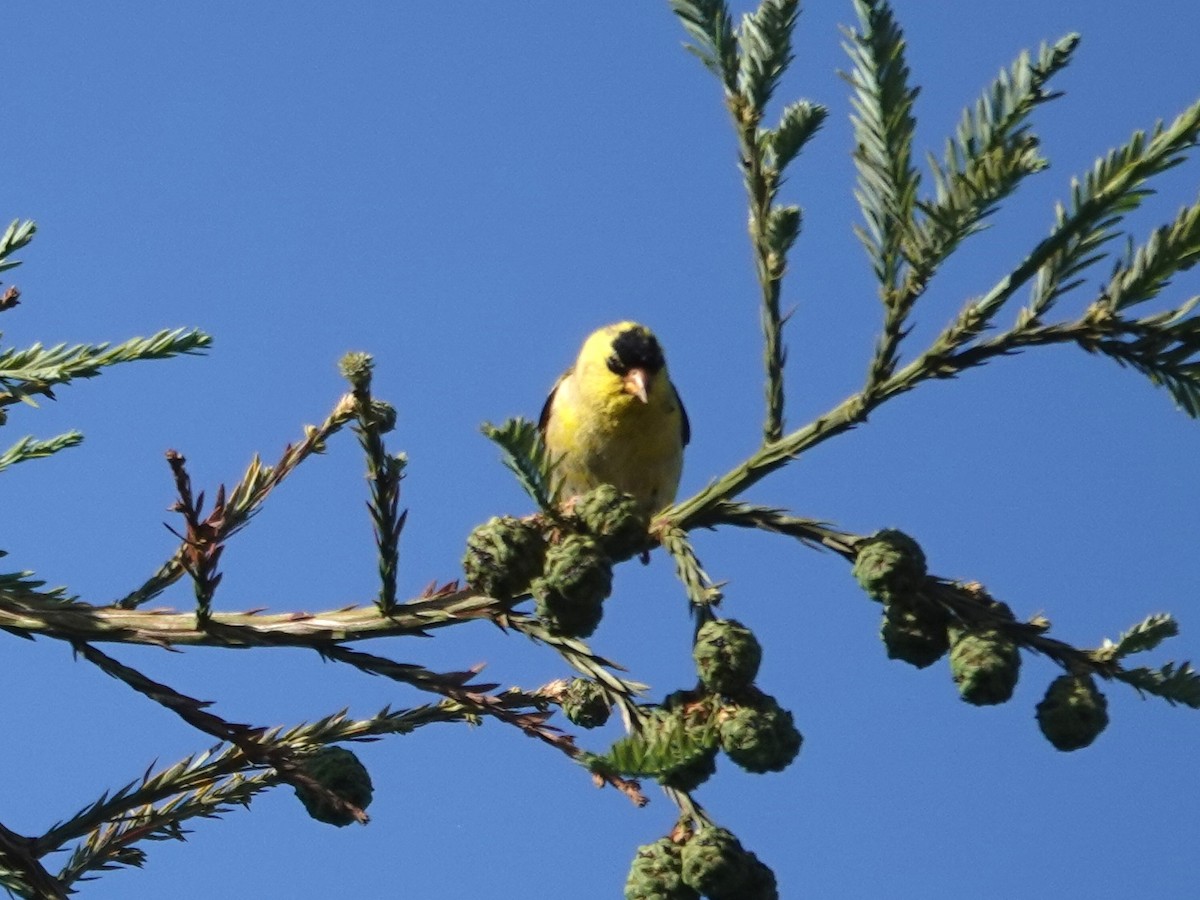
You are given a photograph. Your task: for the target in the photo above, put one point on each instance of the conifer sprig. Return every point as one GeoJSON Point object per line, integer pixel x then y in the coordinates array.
{"type": "Point", "coordinates": [1145, 635]}
{"type": "Point", "coordinates": [750, 61]}
{"type": "Point", "coordinates": [31, 448]}
{"type": "Point", "coordinates": [525, 455]}
{"type": "Point", "coordinates": [1116, 185]}
{"type": "Point", "coordinates": [990, 154]}
{"type": "Point", "coordinates": [764, 43]}
{"type": "Point", "coordinates": [710, 27]}
{"type": "Point", "coordinates": [37, 370]}
{"type": "Point", "coordinates": [884, 125]}
{"type": "Point", "coordinates": [384, 472]}
{"type": "Point", "coordinates": [248, 495]}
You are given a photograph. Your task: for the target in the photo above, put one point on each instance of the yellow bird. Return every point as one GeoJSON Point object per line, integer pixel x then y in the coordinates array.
{"type": "Point", "coordinates": [616, 418]}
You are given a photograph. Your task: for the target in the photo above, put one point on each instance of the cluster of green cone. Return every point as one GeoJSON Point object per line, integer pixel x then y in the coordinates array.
{"type": "Point", "coordinates": [984, 662]}
{"type": "Point", "coordinates": [710, 862]}
{"type": "Point", "coordinates": [677, 743]}
{"type": "Point", "coordinates": [566, 565]}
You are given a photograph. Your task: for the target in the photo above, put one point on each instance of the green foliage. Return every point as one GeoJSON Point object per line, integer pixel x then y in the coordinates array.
{"type": "Point", "coordinates": [765, 44]}
{"type": "Point", "coordinates": [883, 134]}
{"type": "Point", "coordinates": [18, 234]}
{"type": "Point", "coordinates": [798, 124]}
{"type": "Point", "coordinates": [992, 151]}
{"type": "Point", "coordinates": [1115, 187]}
{"type": "Point", "coordinates": [1175, 683]}
{"type": "Point", "coordinates": [710, 27]}
{"type": "Point", "coordinates": [526, 457]}
{"type": "Point", "coordinates": [1164, 347]}
{"type": "Point", "coordinates": [375, 418]}
{"type": "Point", "coordinates": [667, 742]}
{"type": "Point", "coordinates": [29, 448]}
{"type": "Point", "coordinates": [1145, 635]}
{"type": "Point", "coordinates": [1147, 270]}
{"type": "Point", "coordinates": [35, 371]}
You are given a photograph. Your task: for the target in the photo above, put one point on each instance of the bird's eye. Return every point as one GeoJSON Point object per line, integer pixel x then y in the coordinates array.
{"type": "Point", "coordinates": [616, 366]}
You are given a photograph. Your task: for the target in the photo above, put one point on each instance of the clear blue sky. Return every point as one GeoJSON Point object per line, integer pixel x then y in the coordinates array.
{"type": "Point", "coordinates": [465, 191]}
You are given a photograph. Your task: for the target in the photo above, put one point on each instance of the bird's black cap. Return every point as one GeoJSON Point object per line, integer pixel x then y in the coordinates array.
{"type": "Point", "coordinates": [635, 348]}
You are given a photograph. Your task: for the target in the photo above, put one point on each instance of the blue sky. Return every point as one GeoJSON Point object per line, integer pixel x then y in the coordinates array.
{"type": "Point", "coordinates": [466, 191]}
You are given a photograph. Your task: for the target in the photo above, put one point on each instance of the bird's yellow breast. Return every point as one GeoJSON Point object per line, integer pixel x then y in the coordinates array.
{"type": "Point", "coordinates": [603, 435]}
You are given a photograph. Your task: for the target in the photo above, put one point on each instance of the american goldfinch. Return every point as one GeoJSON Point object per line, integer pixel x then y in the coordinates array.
{"type": "Point", "coordinates": [616, 418]}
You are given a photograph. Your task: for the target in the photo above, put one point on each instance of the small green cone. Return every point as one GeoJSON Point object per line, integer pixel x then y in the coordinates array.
{"type": "Point", "coordinates": [656, 874]}
{"type": "Point", "coordinates": [1073, 712]}
{"type": "Point", "coordinates": [570, 595]}
{"type": "Point", "coordinates": [716, 864]}
{"type": "Point", "coordinates": [565, 617]}
{"type": "Point", "coordinates": [340, 771]}
{"type": "Point", "coordinates": [760, 882]}
{"type": "Point", "coordinates": [915, 634]}
{"type": "Point", "coordinates": [383, 415]}
{"type": "Point", "coordinates": [689, 713]}
{"type": "Point", "coordinates": [585, 704]}
{"type": "Point", "coordinates": [356, 367]}
{"type": "Point", "coordinates": [693, 773]}
{"type": "Point", "coordinates": [727, 656]}
{"type": "Point", "coordinates": [890, 565]}
{"type": "Point", "coordinates": [615, 520]}
{"type": "Point", "coordinates": [760, 737]}
{"type": "Point", "coordinates": [503, 556]}
{"type": "Point", "coordinates": [985, 665]}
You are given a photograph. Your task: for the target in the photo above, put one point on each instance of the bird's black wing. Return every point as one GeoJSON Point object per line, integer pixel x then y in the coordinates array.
{"type": "Point", "coordinates": [544, 418]}
{"type": "Point", "coordinates": [685, 425]}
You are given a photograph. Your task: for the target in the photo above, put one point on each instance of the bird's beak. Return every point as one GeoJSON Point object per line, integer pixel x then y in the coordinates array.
{"type": "Point", "coordinates": [635, 383]}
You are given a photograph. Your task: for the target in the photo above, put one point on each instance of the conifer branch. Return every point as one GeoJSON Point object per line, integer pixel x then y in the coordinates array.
{"type": "Point", "coordinates": [254, 742]}
{"type": "Point", "coordinates": [51, 615]}
{"type": "Point", "coordinates": [1145, 635]}
{"type": "Point", "coordinates": [248, 496]}
{"type": "Point", "coordinates": [17, 235]}
{"type": "Point", "coordinates": [710, 27]}
{"type": "Point", "coordinates": [751, 60]}
{"type": "Point", "coordinates": [1148, 269]}
{"type": "Point", "coordinates": [112, 843]}
{"type": "Point", "coordinates": [1163, 348]}
{"type": "Point", "coordinates": [1175, 683]}
{"type": "Point", "coordinates": [22, 873]}
{"type": "Point", "coordinates": [701, 590]}
{"type": "Point", "coordinates": [200, 785]}
{"type": "Point", "coordinates": [990, 154]}
{"type": "Point", "coordinates": [525, 455]}
{"type": "Point", "coordinates": [1116, 185]}
{"type": "Point", "coordinates": [36, 370]}
{"type": "Point", "coordinates": [764, 43]}
{"type": "Point", "coordinates": [474, 698]}
{"type": "Point", "coordinates": [30, 448]}
{"type": "Point", "coordinates": [384, 472]}
{"type": "Point", "coordinates": [887, 180]}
